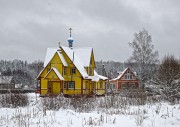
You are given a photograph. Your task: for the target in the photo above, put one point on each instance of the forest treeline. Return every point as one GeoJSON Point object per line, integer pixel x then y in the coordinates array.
{"type": "Point", "coordinates": [26, 73]}
{"type": "Point", "coordinates": [23, 72]}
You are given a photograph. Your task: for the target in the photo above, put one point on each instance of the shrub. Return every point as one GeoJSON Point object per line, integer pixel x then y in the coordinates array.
{"type": "Point", "coordinates": [11, 100]}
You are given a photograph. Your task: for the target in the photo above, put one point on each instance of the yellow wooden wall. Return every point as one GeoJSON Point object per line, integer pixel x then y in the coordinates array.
{"type": "Point", "coordinates": [44, 86]}
{"type": "Point", "coordinates": [77, 89]}
{"type": "Point", "coordinates": [57, 63]}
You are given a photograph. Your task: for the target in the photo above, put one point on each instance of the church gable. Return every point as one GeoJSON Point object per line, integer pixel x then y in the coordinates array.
{"type": "Point", "coordinates": [55, 62]}
{"type": "Point", "coordinates": [53, 74]}
{"type": "Point", "coordinates": [56, 59]}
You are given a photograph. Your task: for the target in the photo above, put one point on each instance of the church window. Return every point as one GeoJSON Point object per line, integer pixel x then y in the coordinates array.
{"type": "Point", "coordinates": [71, 85]}
{"type": "Point", "coordinates": [73, 70]}
{"type": "Point", "coordinates": [65, 70]}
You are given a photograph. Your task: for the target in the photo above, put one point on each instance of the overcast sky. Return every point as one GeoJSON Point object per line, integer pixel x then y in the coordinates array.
{"type": "Point", "coordinates": [29, 27]}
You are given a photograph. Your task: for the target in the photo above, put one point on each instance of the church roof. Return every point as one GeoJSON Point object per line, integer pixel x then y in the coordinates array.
{"type": "Point", "coordinates": [84, 54]}
{"type": "Point", "coordinates": [62, 59]}
{"type": "Point", "coordinates": [76, 60]}
{"type": "Point", "coordinates": [80, 57]}
{"type": "Point", "coordinates": [49, 54]}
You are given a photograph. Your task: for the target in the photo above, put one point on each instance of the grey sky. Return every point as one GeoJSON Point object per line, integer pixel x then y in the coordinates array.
{"type": "Point", "coordinates": [29, 27]}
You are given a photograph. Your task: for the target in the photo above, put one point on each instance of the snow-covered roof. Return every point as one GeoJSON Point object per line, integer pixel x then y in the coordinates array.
{"type": "Point", "coordinates": [100, 76]}
{"type": "Point", "coordinates": [56, 72]}
{"type": "Point", "coordinates": [40, 72]}
{"type": "Point", "coordinates": [49, 54]}
{"type": "Point", "coordinates": [84, 54]}
{"type": "Point", "coordinates": [5, 79]}
{"type": "Point", "coordinates": [80, 57]}
{"type": "Point", "coordinates": [97, 77]}
{"type": "Point", "coordinates": [62, 59]}
{"type": "Point", "coordinates": [120, 75]}
{"type": "Point", "coordinates": [103, 77]}
{"type": "Point", "coordinates": [76, 60]}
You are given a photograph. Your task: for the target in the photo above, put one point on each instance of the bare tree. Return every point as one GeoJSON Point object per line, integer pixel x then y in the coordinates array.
{"type": "Point", "coordinates": [144, 55]}
{"type": "Point", "coordinates": [168, 77]}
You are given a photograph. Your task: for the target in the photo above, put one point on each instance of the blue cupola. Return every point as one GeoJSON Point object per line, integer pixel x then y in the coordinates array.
{"type": "Point", "coordinates": [70, 39]}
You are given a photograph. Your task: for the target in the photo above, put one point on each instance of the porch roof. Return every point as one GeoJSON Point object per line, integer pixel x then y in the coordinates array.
{"type": "Point", "coordinates": [56, 72]}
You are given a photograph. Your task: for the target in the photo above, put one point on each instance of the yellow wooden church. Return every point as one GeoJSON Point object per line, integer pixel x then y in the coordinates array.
{"type": "Point", "coordinates": [70, 71]}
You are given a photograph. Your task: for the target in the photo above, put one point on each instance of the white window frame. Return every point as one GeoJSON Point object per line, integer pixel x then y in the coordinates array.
{"type": "Point", "coordinates": [71, 85]}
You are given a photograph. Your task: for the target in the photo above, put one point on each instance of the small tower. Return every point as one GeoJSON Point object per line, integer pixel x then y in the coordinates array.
{"type": "Point", "coordinates": [70, 39]}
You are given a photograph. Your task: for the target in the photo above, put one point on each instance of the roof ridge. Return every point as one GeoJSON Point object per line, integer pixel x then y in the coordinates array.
{"type": "Point", "coordinates": [75, 60]}
{"type": "Point", "coordinates": [81, 47]}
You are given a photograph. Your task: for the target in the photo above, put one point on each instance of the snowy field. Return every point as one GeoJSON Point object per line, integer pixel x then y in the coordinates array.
{"type": "Point", "coordinates": [158, 114]}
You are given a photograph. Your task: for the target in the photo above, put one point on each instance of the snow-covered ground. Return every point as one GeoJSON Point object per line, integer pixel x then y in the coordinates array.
{"type": "Point", "coordinates": [149, 115]}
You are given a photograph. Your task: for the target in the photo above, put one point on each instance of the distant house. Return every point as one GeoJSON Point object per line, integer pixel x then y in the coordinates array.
{"type": "Point", "coordinates": [126, 80]}
{"type": "Point", "coordinates": [6, 82]}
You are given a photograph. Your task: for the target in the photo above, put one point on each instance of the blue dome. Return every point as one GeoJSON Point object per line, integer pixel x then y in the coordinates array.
{"type": "Point", "coordinates": [70, 40]}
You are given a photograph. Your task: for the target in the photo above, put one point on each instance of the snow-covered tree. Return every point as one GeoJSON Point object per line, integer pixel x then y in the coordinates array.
{"type": "Point", "coordinates": [23, 73]}
{"type": "Point", "coordinates": [168, 77]}
{"type": "Point", "coordinates": [144, 55]}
